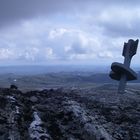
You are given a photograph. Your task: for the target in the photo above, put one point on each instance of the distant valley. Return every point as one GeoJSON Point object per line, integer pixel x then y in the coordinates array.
{"type": "Point", "coordinates": [57, 80]}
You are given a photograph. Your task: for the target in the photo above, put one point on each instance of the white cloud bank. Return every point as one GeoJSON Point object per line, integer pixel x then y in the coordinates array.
{"type": "Point", "coordinates": [93, 33]}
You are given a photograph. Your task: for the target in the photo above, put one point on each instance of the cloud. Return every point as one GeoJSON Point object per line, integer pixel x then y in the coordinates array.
{"type": "Point", "coordinates": [57, 33]}
{"type": "Point", "coordinates": [6, 54]}
{"type": "Point", "coordinates": [106, 54]}
{"type": "Point", "coordinates": [17, 10]}
{"type": "Point", "coordinates": [120, 22]}
{"type": "Point", "coordinates": [70, 31]}
{"type": "Point", "coordinates": [50, 43]}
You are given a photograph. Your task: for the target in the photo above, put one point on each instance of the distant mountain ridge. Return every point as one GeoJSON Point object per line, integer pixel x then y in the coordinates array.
{"type": "Point", "coordinates": [104, 78]}
{"type": "Point", "coordinates": [56, 80]}
{"type": "Point", "coordinates": [42, 69]}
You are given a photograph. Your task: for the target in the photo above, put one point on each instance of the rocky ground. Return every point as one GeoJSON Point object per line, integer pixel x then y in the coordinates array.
{"type": "Point", "coordinates": [95, 114]}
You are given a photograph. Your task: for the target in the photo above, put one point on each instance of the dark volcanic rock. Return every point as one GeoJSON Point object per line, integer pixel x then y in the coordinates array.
{"type": "Point", "coordinates": [99, 114]}
{"type": "Point", "coordinates": [33, 99]}
{"type": "Point", "coordinates": [13, 87]}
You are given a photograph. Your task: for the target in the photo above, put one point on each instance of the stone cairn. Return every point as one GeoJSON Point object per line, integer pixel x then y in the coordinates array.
{"type": "Point", "coordinates": [123, 72]}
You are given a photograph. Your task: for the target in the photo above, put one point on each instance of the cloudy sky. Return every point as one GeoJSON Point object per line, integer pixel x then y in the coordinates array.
{"type": "Point", "coordinates": [67, 31]}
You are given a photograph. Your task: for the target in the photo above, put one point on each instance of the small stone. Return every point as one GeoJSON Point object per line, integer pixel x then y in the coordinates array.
{"type": "Point", "coordinates": [33, 99]}
{"type": "Point", "coordinates": [13, 87]}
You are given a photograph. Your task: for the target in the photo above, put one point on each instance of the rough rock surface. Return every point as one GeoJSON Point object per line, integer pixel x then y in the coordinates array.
{"type": "Point", "coordinates": [96, 114]}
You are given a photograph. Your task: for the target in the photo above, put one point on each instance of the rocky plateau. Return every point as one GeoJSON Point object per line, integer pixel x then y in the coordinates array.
{"type": "Point", "coordinates": [70, 114]}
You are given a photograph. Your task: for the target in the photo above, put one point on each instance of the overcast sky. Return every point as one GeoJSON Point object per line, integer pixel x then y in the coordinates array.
{"type": "Point", "coordinates": [67, 31]}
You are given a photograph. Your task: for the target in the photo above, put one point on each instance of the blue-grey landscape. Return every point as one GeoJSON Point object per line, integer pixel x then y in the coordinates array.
{"type": "Point", "coordinates": [40, 77]}
{"type": "Point", "coordinates": [42, 102]}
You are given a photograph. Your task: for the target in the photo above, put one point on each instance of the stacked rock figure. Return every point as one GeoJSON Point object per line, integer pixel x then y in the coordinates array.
{"type": "Point", "coordinates": [123, 72]}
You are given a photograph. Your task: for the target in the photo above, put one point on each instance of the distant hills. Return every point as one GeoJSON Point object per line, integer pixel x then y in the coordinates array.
{"type": "Point", "coordinates": [42, 77]}
{"type": "Point", "coordinates": [97, 78]}
{"type": "Point", "coordinates": [43, 69]}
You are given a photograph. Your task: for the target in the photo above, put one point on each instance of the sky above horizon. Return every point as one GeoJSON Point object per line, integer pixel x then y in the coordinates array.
{"type": "Point", "coordinates": [67, 31]}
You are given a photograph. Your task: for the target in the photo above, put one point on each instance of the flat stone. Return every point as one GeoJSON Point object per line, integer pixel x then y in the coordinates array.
{"type": "Point", "coordinates": [118, 69]}
{"type": "Point", "coordinates": [33, 99]}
